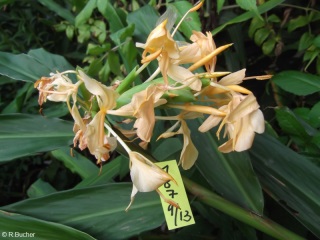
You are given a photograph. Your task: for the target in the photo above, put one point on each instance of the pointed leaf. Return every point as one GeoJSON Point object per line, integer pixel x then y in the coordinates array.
{"type": "Point", "coordinates": [297, 82]}
{"type": "Point", "coordinates": [25, 134]}
{"type": "Point", "coordinates": [76, 163]}
{"type": "Point", "coordinates": [14, 225]}
{"type": "Point", "coordinates": [98, 211]}
{"type": "Point", "coordinates": [291, 179]}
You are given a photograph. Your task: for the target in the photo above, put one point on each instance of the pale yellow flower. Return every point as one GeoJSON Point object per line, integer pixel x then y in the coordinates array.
{"type": "Point", "coordinates": [142, 108]}
{"type": "Point", "coordinates": [94, 137]}
{"type": "Point", "coordinates": [146, 176]}
{"type": "Point", "coordinates": [57, 88]}
{"type": "Point", "coordinates": [97, 141]}
{"type": "Point", "coordinates": [243, 119]}
{"type": "Point", "coordinates": [202, 46]}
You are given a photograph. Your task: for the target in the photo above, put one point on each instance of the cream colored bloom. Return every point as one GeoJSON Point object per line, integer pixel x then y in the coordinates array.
{"type": "Point", "coordinates": [94, 137]}
{"type": "Point", "coordinates": [142, 108]}
{"type": "Point", "coordinates": [57, 88]}
{"type": "Point", "coordinates": [145, 175]}
{"type": "Point", "coordinates": [243, 119]}
{"type": "Point", "coordinates": [106, 96]}
{"type": "Point", "coordinates": [202, 46]}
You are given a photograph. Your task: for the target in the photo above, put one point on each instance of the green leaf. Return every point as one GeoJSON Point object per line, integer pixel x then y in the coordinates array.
{"type": "Point", "coordinates": [21, 67]}
{"type": "Point", "coordinates": [84, 33]}
{"type": "Point", "coordinates": [261, 35]}
{"type": "Point", "coordinates": [59, 10]}
{"type": "Point", "coordinates": [297, 82]}
{"type": "Point", "coordinates": [220, 4]}
{"type": "Point", "coordinates": [273, 18]}
{"type": "Point", "coordinates": [167, 148]}
{"type": "Point", "coordinates": [20, 99]}
{"type": "Point", "coordinates": [255, 24]}
{"type": "Point", "coordinates": [249, 5]}
{"type": "Point", "coordinates": [31, 67]}
{"type": "Point", "coordinates": [316, 41]}
{"type": "Point", "coordinates": [40, 188]}
{"type": "Point", "coordinates": [52, 61]}
{"type": "Point", "coordinates": [95, 210]}
{"type": "Point", "coordinates": [233, 176]}
{"type": "Point", "coordinates": [109, 171]}
{"type": "Point", "coordinates": [255, 220]}
{"type": "Point", "coordinates": [110, 14]}
{"type": "Point", "coordinates": [76, 163]}
{"type": "Point", "coordinates": [291, 179]}
{"type": "Point", "coordinates": [93, 49]}
{"type": "Point", "coordinates": [70, 31]}
{"type": "Point", "coordinates": [314, 115]}
{"type": "Point", "coordinates": [85, 13]}
{"type": "Point", "coordinates": [24, 134]}
{"type": "Point", "coordinates": [305, 41]}
{"type": "Point", "coordinates": [290, 124]}
{"type": "Point", "coordinates": [191, 23]}
{"type": "Point", "coordinates": [114, 63]}
{"type": "Point", "coordinates": [248, 15]}
{"type": "Point", "coordinates": [12, 223]}
{"type": "Point", "coordinates": [268, 46]}
{"type": "Point", "coordinates": [298, 22]}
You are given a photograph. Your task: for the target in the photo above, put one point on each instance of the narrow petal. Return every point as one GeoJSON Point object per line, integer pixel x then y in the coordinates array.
{"type": "Point", "coordinates": [184, 76]}
{"type": "Point", "coordinates": [189, 153]}
{"type": "Point", "coordinates": [246, 106]}
{"type": "Point", "coordinates": [233, 78]}
{"type": "Point", "coordinates": [209, 123]}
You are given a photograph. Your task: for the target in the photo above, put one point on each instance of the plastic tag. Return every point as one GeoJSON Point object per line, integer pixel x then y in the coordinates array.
{"type": "Point", "coordinates": [175, 217]}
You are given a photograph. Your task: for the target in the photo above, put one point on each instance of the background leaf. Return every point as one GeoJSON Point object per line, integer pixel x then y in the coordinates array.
{"type": "Point", "coordinates": [12, 223]}
{"type": "Point", "coordinates": [291, 179]}
{"type": "Point", "coordinates": [98, 211]}
{"type": "Point", "coordinates": [234, 177]}
{"type": "Point", "coordinates": [31, 67]}
{"type": "Point", "coordinates": [25, 134]}
{"type": "Point", "coordinates": [297, 82]}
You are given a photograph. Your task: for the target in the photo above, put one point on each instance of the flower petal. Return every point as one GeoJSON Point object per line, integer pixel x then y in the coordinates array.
{"type": "Point", "coordinates": [145, 175]}
{"type": "Point", "coordinates": [233, 78]}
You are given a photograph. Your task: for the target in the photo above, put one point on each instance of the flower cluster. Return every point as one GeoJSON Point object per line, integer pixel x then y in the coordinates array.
{"type": "Point", "coordinates": [221, 101]}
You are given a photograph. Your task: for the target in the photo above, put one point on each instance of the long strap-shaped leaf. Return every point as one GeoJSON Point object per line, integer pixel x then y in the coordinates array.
{"type": "Point", "coordinates": [259, 222]}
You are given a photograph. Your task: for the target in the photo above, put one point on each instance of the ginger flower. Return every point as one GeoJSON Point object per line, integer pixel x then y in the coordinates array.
{"type": "Point", "coordinates": [161, 46]}
{"type": "Point", "coordinates": [57, 88]}
{"type": "Point", "coordinates": [146, 176]}
{"type": "Point", "coordinates": [201, 46]}
{"type": "Point", "coordinates": [142, 108]}
{"type": "Point", "coordinates": [243, 119]}
{"type": "Point", "coordinates": [94, 137]}
{"type": "Point", "coordinates": [159, 42]}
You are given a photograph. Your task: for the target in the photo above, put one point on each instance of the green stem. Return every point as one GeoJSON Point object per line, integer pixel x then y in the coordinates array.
{"type": "Point", "coordinates": [259, 222]}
